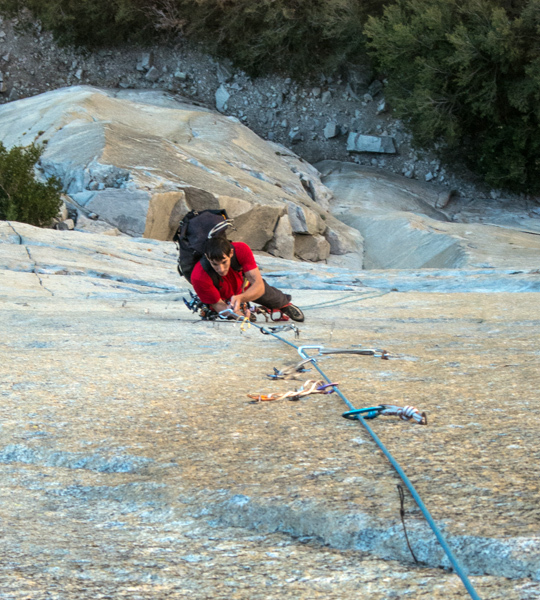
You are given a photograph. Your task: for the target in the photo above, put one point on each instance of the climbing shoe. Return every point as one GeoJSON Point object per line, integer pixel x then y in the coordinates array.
{"type": "Point", "coordinates": [293, 312]}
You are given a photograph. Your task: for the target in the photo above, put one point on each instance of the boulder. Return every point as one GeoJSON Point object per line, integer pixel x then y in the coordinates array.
{"type": "Point", "coordinates": [125, 209]}
{"type": "Point", "coordinates": [331, 130]}
{"type": "Point", "coordinates": [357, 142]}
{"type": "Point", "coordinates": [303, 220]}
{"type": "Point", "coordinates": [224, 73]}
{"type": "Point", "coordinates": [171, 204]}
{"type": "Point", "coordinates": [375, 87]}
{"type": "Point", "coordinates": [312, 247]}
{"type": "Point", "coordinates": [140, 159]}
{"type": "Point", "coordinates": [359, 77]}
{"type": "Point", "coordinates": [256, 226]}
{"type": "Point", "coordinates": [344, 240]}
{"type": "Point", "coordinates": [234, 206]}
{"type": "Point", "coordinates": [146, 61]}
{"type": "Point", "coordinates": [222, 97]}
{"type": "Point", "coordinates": [63, 211]}
{"type": "Point", "coordinates": [309, 176]}
{"type": "Point", "coordinates": [153, 74]}
{"type": "Point", "coordinates": [282, 244]}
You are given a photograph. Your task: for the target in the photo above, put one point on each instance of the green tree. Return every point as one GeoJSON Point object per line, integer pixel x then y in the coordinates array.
{"type": "Point", "coordinates": [288, 35]}
{"type": "Point", "coordinates": [260, 36]}
{"type": "Point", "coordinates": [22, 197]}
{"type": "Point", "coordinates": [467, 72]}
{"type": "Point", "coordinates": [88, 23]}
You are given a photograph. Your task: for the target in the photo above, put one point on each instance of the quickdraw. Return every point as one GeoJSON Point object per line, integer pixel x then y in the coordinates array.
{"type": "Point", "coordinates": [406, 413]}
{"type": "Point", "coordinates": [246, 324]}
{"type": "Point", "coordinates": [291, 372]}
{"type": "Point", "coordinates": [196, 305]}
{"type": "Point", "coordinates": [311, 386]}
{"type": "Point", "coordinates": [276, 328]}
{"type": "Point", "coordinates": [363, 351]}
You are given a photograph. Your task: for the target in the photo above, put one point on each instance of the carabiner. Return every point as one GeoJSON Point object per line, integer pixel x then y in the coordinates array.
{"type": "Point", "coordinates": [372, 413]}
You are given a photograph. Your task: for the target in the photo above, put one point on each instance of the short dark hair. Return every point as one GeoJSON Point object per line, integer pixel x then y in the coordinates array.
{"type": "Point", "coordinates": [217, 248]}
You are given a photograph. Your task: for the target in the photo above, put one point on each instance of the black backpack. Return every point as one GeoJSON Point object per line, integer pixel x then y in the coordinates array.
{"type": "Point", "coordinates": [193, 231]}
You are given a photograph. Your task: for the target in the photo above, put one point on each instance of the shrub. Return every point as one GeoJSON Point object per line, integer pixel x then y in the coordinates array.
{"type": "Point", "coordinates": [292, 36]}
{"type": "Point", "coordinates": [258, 35]}
{"type": "Point", "coordinates": [467, 72]}
{"type": "Point", "coordinates": [87, 23]}
{"type": "Point", "coordinates": [22, 198]}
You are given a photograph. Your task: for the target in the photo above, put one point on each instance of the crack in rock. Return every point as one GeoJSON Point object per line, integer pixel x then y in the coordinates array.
{"type": "Point", "coordinates": [517, 557]}
{"type": "Point", "coordinates": [34, 270]}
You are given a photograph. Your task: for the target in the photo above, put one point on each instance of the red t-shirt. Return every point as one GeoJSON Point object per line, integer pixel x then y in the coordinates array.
{"type": "Point", "coordinates": [231, 284]}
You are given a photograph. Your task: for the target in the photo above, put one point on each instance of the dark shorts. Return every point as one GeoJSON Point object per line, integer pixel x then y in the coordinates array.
{"type": "Point", "coordinates": [272, 297]}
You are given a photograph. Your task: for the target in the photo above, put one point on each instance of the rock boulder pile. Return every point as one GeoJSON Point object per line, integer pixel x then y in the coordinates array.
{"type": "Point", "coordinates": [141, 160]}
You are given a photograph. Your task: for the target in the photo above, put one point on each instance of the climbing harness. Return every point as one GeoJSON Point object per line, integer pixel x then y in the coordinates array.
{"type": "Point", "coordinates": [311, 386]}
{"type": "Point", "coordinates": [407, 413]}
{"type": "Point", "coordinates": [196, 305]}
{"type": "Point", "coordinates": [207, 313]}
{"type": "Point", "coordinates": [313, 360]}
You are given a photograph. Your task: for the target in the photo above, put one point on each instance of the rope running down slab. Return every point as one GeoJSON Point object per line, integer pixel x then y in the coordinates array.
{"type": "Point", "coordinates": [431, 522]}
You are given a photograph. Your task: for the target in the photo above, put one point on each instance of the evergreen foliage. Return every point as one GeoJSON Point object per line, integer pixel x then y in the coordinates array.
{"type": "Point", "coordinates": [292, 36]}
{"type": "Point", "coordinates": [88, 23]}
{"type": "Point", "coordinates": [22, 198]}
{"type": "Point", "coordinates": [258, 35]}
{"type": "Point", "coordinates": [467, 72]}
{"type": "Point", "coordinates": [462, 72]}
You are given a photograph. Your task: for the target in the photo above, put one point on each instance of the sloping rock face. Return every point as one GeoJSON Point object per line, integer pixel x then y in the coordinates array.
{"type": "Point", "coordinates": [129, 448]}
{"type": "Point", "coordinates": [141, 160]}
{"type": "Point", "coordinates": [404, 226]}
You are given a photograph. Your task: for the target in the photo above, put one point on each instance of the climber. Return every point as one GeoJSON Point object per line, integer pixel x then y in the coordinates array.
{"type": "Point", "coordinates": [239, 281]}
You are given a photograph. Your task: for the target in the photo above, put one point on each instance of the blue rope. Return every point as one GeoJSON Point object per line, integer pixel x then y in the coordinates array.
{"type": "Point", "coordinates": [457, 567]}
{"type": "Point", "coordinates": [371, 413]}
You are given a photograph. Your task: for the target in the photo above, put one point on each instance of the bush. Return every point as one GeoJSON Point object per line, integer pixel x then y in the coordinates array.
{"type": "Point", "coordinates": [467, 72]}
{"type": "Point", "coordinates": [22, 198]}
{"type": "Point", "coordinates": [292, 36]}
{"type": "Point", "coordinates": [258, 35]}
{"type": "Point", "coordinates": [88, 23]}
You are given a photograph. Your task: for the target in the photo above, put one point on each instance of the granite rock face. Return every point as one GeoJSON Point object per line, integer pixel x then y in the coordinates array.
{"type": "Point", "coordinates": [404, 225]}
{"type": "Point", "coordinates": [129, 448]}
{"type": "Point", "coordinates": [141, 159]}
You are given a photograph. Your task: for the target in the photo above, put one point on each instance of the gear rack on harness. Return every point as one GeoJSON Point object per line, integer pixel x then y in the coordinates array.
{"type": "Point", "coordinates": [207, 313]}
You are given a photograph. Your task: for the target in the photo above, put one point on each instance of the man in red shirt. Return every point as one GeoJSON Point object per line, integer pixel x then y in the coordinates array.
{"type": "Point", "coordinates": [237, 286]}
